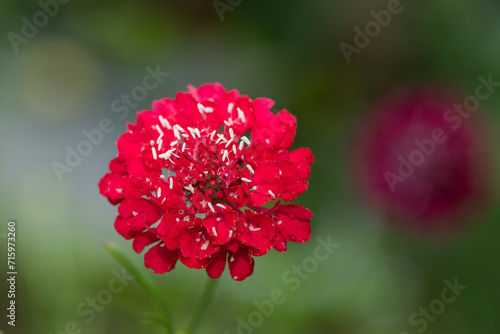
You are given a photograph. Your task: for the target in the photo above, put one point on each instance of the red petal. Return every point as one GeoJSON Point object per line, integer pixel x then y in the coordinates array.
{"type": "Point", "coordinates": [233, 245]}
{"type": "Point", "coordinates": [136, 215]}
{"type": "Point", "coordinates": [144, 239]}
{"type": "Point", "coordinates": [200, 201]}
{"type": "Point", "coordinates": [289, 127]}
{"type": "Point", "coordinates": [280, 244]}
{"type": "Point", "coordinates": [166, 192]}
{"type": "Point", "coordinates": [291, 185]}
{"type": "Point", "coordinates": [272, 131]}
{"type": "Point", "coordinates": [125, 230]}
{"type": "Point", "coordinates": [236, 195]}
{"type": "Point", "coordinates": [142, 176]}
{"type": "Point", "coordinates": [111, 186]}
{"type": "Point", "coordinates": [194, 263]}
{"type": "Point", "coordinates": [161, 259]}
{"type": "Point", "coordinates": [188, 109]}
{"type": "Point", "coordinates": [173, 225]}
{"type": "Point", "coordinates": [217, 264]}
{"type": "Point", "coordinates": [256, 231]}
{"type": "Point", "coordinates": [130, 145]}
{"type": "Point", "coordinates": [207, 91]}
{"type": "Point", "coordinates": [293, 222]}
{"type": "Point", "coordinates": [220, 226]}
{"type": "Point", "coordinates": [134, 207]}
{"type": "Point", "coordinates": [302, 158]}
{"type": "Point", "coordinates": [262, 107]}
{"type": "Point", "coordinates": [265, 183]}
{"type": "Point", "coordinates": [241, 264]}
{"type": "Point", "coordinates": [118, 165]}
{"type": "Point", "coordinates": [195, 243]}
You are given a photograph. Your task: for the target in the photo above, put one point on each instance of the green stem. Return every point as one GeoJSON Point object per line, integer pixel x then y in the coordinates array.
{"type": "Point", "coordinates": [202, 306]}
{"type": "Point", "coordinates": [147, 285]}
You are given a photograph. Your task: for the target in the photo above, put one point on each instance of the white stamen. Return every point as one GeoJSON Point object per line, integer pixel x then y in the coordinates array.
{"type": "Point", "coordinates": [165, 155]}
{"type": "Point", "coordinates": [209, 110]}
{"type": "Point", "coordinates": [244, 179]}
{"type": "Point", "coordinates": [175, 155]}
{"type": "Point", "coordinates": [197, 131]}
{"type": "Point", "coordinates": [154, 153]}
{"type": "Point", "coordinates": [158, 129]}
{"type": "Point", "coordinates": [229, 122]}
{"type": "Point", "coordinates": [212, 135]}
{"type": "Point", "coordinates": [250, 169]}
{"type": "Point", "coordinates": [222, 206]}
{"type": "Point", "coordinates": [231, 133]}
{"type": "Point", "coordinates": [158, 193]}
{"type": "Point", "coordinates": [214, 231]}
{"type": "Point", "coordinates": [174, 143]}
{"type": "Point", "coordinates": [211, 207]}
{"type": "Point", "coordinates": [231, 259]}
{"type": "Point", "coordinates": [191, 131]}
{"type": "Point", "coordinates": [221, 137]}
{"type": "Point", "coordinates": [241, 145]}
{"type": "Point", "coordinates": [241, 115]}
{"type": "Point", "coordinates": [159, 144]}
{"type": "Point", "coordinates": [176, 133]}
{"type": "Point", "coordinates": [205, 245]}
{"type": "Point", "coordinates": [190, 188]}
{"type": "Point", "coordinates": [230, 107]}
{"type": "Point", "coordinates": [254, 229]}
{"type": "Point", "coordinates": [183, 147]}
{"type": "Point", "coordinates": [171, 183]}
{"type": "Point", "coordinates": [234, 149]}
{"type": "Point", "coordinates": [229, 142]}
{"type": "Point", "coordinates": [271, 193]}
{"type": "Point", "coordinates": [201, 108]}
{"type": "Point", "coordinates": [152, 142]}
{"type": "Point", "coordinates": [165, 123]}
{"type": "Point", "coordinates": [180, 128]}
{"type": "Point", "coordinates": [245, 139]}
{"type": "Point", "coordinates": [226, 155]}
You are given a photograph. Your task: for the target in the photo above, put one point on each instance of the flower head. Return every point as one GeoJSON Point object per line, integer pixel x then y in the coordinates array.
{"type": "Point", "coordinates": [193, 173]}
{"type": "Point", "coordinates": [421, 157]}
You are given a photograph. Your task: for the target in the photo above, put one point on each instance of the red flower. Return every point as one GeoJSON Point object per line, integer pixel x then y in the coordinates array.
{"type": "Point", "coordinates": [188, 178]}
{"type": "Point", "coordinates": [421, 160]}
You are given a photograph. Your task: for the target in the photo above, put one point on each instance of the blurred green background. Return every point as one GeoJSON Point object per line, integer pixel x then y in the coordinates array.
{"type": "Point", "coordinates": [64, 79]}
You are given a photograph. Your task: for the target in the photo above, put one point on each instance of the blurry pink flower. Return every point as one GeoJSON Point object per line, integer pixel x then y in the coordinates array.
{"type": "Point", "coordinates": [421, 158]}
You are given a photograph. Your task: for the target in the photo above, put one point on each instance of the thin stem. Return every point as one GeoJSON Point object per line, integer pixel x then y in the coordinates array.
{"type": "Point", "coordinates": [202, 306]}
{"type": "Point", "coordinates": [147, 285]}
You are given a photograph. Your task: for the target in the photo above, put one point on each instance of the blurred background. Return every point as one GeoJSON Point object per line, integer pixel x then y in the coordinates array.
{"type": "Point", "coordinates": [64, 64]}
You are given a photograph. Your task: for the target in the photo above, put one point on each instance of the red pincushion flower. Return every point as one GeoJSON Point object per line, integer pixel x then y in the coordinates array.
{"type": "Point", "coordinates": [421, 160]}
{"type": "Point", "coordinates": [188, 178]}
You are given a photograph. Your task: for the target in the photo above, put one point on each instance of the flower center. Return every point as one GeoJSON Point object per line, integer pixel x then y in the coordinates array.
{"type": "Point", "coordinates": [203, 159]}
